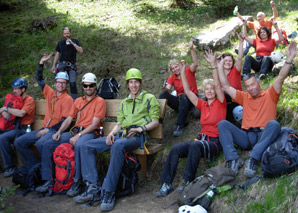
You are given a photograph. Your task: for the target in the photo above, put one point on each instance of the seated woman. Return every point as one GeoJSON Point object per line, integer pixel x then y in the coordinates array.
{"type": "Point", "coordinates": [181, 103]}
{"type": "Point", "coordinates": [207, 142]}
{"type": "Point", "coordinates": [264, 46]}
{"type": "Point", "coordinates": [232, 71]}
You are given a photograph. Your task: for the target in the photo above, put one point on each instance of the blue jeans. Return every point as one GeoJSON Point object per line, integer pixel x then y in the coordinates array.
{"type": "Point", "coordinates": [23, 145]}
{"type": "Point", "coordinates": [193, 151]}
{"type": "Point", "coordinates": [49, 146]}
{"type": "Point", "coordinates": [180, 104]}
{"type": "Point", "coordinates": [258, 141]}
{"type": "Point", "coordinates": [118, 149]}
{"type": "Point", "coordinates": [247, 47]}
{"type": "Point", "coordinates": [6, 140]}
{"type": "Point", "coordinates": [262, 64]}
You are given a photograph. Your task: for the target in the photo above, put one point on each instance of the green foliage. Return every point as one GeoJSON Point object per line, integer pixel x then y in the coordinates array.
{"type": "Point", "coordinates": [221, 8]}
{"type": "Point", "coordinates": [4, 193]}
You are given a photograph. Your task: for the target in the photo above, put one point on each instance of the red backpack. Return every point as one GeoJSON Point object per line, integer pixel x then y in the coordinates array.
{"type": "Point", "coordinates": [284, 34]}
{"type": "Point", "coordinates": [64, 167]}
{"type": "Point", "coordinates": [11, 101]}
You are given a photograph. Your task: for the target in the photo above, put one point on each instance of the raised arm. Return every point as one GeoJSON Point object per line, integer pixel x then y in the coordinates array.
{"type": "Point", "coordinates": [280, 37]}
{"type": "Point", "coordinates": [238, 63]}
{"type": "Point", "coordinates": [39, 74]}
{"type": "Point", "coordinates": [273, 6]}
{"type": "Point", "coordinates": [191, 96]}
{"type": "Point", "coordinates": [248, 39]}
{"type": "Point", "coordinates": [194, 56]}
{"type": "Point", "coordinates": [291, 54]}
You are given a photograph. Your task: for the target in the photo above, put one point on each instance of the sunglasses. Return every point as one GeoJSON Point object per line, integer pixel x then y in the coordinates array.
{"type": "Point", "coordinates": [89, 85]}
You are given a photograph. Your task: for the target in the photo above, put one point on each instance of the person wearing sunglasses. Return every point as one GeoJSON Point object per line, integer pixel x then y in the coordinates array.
{"type": "Point", "coordinates": [88, 111]}
{"type": "Point", "coordinates": [58, 103]}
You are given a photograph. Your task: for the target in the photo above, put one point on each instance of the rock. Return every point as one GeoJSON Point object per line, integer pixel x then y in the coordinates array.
{"type": "Point", "coordinates": [219, 38]}
{"type": "Point", "coordinates": [42, 24]}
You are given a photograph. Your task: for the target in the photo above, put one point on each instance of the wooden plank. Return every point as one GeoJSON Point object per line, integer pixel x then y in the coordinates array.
{"type": "Point", "coordinates": [40, 107]}
{"type": "Point", "coordinates": [152, 148]}
{"type": "Point", "coordinates": [112, 107]}
{"type": "Point", "coordinates": [37, 124]}
{"type": "Point", "coordinates": [162, 104]}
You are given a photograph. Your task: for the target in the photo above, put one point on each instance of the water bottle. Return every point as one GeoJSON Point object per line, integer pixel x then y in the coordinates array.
{"type": "Point", "coordinates": [28, 128]}
{"type": "Point", "coordinates": [101, 132]}
{"type": "Point", "coordinates": [235, 11]}
{"type": "Point", "coordinates": [210, 194]}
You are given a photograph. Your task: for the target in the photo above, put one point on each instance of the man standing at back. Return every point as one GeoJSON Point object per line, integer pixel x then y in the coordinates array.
{"type": "Point", "coordinates": [58, 103]}
{"type": "Point", "coordinates": [26, 113]}
{"type": "Point", "coordinates": [259, 125]}
{"type": "Point", "coordinates": [66, 51]}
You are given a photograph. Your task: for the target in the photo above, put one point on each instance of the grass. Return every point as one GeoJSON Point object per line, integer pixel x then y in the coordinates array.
{"type": "Point", "coordinates": [117, 35]}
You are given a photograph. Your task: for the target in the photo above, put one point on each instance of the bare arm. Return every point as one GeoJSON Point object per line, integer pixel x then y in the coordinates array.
{"type": "Point", "coordinates": [191, 96]}
{"type": "Point", "coordinates": [55, 61]}
{"type": "Point", "coordinates": [16, 112]}
{"type": "Point", "coordinates": [77, 47]}
{"type": "Point", "coordinates": [272, 4]}
{"type": "Point", "coordinates": [111, 136]}
{"type": "Point", "coordinates": [291, 54]}
{"type": "Point", "coordinates": [66, 123]}
{"type": "Point", "coordinates": [167, 88]}
{"type": "Point", "coordinates": [219, 92]}
{"type": "Point", "coordinates": [248, 39]}
{"type": "Point", "coordinates": [240, 17]}
{"type": "Point", "coordinates": [238, 63]}
{"type": "Point", "coordinates": [280, 37]}
{"type": "Point", "coordinates": [194, 56]}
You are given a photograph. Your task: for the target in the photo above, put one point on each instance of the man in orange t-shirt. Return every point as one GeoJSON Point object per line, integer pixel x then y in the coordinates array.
{"type": "Point", "coordinates": [88, 111]}
{"type": "Point", "coordinates": [58, 103]}
{"type": "Point", "coordinates": [256, 25]}
{"type": "Point", "coordinates": [26, 113]}
{"type": "Point", "coordinates": [259, 125]}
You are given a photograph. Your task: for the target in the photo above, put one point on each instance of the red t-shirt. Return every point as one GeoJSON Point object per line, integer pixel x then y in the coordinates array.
{"type": "Point", "coordinates": [211, 115]}
{"type": "Point", "coordinates": [234, 79]}
{"type": "Point", "coordinates": [264, 48]}
{"type": "Point", "coordinates": [177, 82]}
{"type": "Point", "coordinates": [29, 108]}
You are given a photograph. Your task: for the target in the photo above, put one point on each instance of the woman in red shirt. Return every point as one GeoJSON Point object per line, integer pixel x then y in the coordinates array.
{"type": "Point", "coordinates": [207, 142]}
{"type": "Point", "coordinates": [264, 46]}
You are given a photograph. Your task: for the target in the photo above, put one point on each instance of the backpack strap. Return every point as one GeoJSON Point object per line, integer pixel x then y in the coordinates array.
{"type": "Point", "coordinates": [250, 182]}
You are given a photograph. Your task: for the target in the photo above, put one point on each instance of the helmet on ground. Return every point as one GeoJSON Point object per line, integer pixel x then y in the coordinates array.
{"type": "Point", "coordinates": [276, 57]}
{"type": "Point", "coordinates": [89, 77]}
{"type": "Point", "coordinates": [133, 73]}
{"type": "Point", "coordinates": [62, 75]}
{"type": "Point", "coordinates": [19, 83]}
{"type": "Point", "coordinates": [237, 113]}
{"type": "Point", "coordinates": [192, 209]}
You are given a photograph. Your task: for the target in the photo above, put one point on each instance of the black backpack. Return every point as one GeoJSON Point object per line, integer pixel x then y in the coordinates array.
{"type": "Point", "coordinates": [27, 178]}
{"type": "Point", "coordinates": [109, 88]}
{"type": "Point", "coordinates": [281, 157]}
{"type": "Point", "coordinates": [129, 175]}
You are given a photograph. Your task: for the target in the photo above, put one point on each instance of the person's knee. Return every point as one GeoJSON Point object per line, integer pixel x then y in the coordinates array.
{"type": "Point", "coordinates": [223, 124]}
{"type": "Point", "coordinates": [163, 95]}
{"type": "Point", "coordinates": [273, 124]}
{"type": "Point", "coordinates": [184, 98]}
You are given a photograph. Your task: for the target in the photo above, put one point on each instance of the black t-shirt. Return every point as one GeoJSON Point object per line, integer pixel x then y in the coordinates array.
{"type": "Point", "coordinates": [67, 52]}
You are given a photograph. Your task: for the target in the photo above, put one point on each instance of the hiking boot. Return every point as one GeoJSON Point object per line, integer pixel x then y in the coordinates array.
{"type": "Point", "coordinates": [75, 188]}
{"type": "Point", "coordinates": [262, 76]}
{"type": "Point", "coordinates": [235, 165]}
{"type": "Point", "coordinates": [164, 190]}
{"type": "Point", "coordinates": [250, 168]}
{"type": "Point", "coordinates": [178, 131]}
{"type": "Point", "coordinates": [9, 172]}
{"type": "Point", "coordinates": [108, 201]}
{"type": "Point", "coordinates": [92, 193]}
{"type": "Point", "coordinates": [182, 187]}
{"type": "Point", "coordinates": [45, 187]}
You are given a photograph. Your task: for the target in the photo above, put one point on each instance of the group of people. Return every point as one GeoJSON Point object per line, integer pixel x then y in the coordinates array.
{"type": "Point", "coordinates": [139, 113]}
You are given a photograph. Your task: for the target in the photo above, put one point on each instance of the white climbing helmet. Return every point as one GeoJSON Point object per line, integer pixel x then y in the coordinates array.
{"type": "Point", "coordinates": [276, 57]}
{"type": "Point", "coordinates": [89, 77]}
{"type": "Point", "coordinates": [192, 209]}
{"type": "Point", "coordinates": [237, 113]}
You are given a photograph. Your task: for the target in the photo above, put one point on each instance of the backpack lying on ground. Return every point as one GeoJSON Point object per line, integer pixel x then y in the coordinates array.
{"type": "Point", "coordinates": [109, 88]}
{"type": "Point", "coordinates": [28, 179]}
{"type": "Point", "coordinates": [281, 157]}
{"type": "Point", "coordinates": [11, 101]}
{"type": "Point", "coordinates": [215, 179]}
{"type": "Point", "coordinates": [129, 175]}
{"type": "Point", "coordinates": [64, 168]}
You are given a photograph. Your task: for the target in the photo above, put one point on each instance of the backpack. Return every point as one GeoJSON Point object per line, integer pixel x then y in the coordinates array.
{"type": "Point", "coordinates": [64, 167]}
{"type": "Point", "coordinates": [129, 175]}
{"type": "Point", "coordinates": [11, 101]}
{"type": "Point", "coordinates": [27, 178]}
{"type": "Point", "coordinates": [284, 42]}
{"type": "Point", "coordinates": [196, 192]}
{"type": "Point", "coordinates": [281, 157]}
{"type": "Point", "coordinates": [109, 88]}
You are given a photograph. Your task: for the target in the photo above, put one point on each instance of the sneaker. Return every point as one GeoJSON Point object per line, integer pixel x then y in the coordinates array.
{"type": "Point", "coordinates": [45, 187]}
{"type": "Point", "coordinates": [262, 76]}
{"type": "Point", "coordinates": [92, 193]}
{"type": "Point", "coordinates": [75, 188]}
{"type": "Point", "coordinates": [235, 165]}
{"type": "Point", "coordinates": [178, 131]}
{"type": "Point", "coordinates": [164, 190]}
{"type": "Point", "coordinates": [250, 168]}
{"type": "Point", "coordinates": [182, 187]}
{"type": "Point", "coordinates": [108, 201]}
{"type": "Point", "coordinates": [9, 172]}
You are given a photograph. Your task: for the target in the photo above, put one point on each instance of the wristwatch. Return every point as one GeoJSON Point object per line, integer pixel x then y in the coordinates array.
{"type": "Point", "coordinates": [80, 134]}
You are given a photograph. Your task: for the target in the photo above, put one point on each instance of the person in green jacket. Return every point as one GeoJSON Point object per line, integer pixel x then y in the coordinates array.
{"type": "Point", "coordinates": [138, 113]}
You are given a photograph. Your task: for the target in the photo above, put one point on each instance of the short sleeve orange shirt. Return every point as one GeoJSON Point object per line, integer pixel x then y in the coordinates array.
{"type": "Point", "coordinates": [257, 112]}
{"type": "Point", "coordinates": [96, 108]}
{"type": "Point", "coordinates": [57, 107]}
{"type": "Point", "coordinates": [29, 108]}
{"type": "Point", "coordinates": [255, 26]}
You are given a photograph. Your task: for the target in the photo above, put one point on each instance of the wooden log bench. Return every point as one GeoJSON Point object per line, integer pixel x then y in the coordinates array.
{"type": "Point", "coordinates": [111, 114]}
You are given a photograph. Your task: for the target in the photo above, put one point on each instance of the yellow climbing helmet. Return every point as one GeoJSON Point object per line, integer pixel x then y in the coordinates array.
{"type": "Point", "coordinates": [133, 73]}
